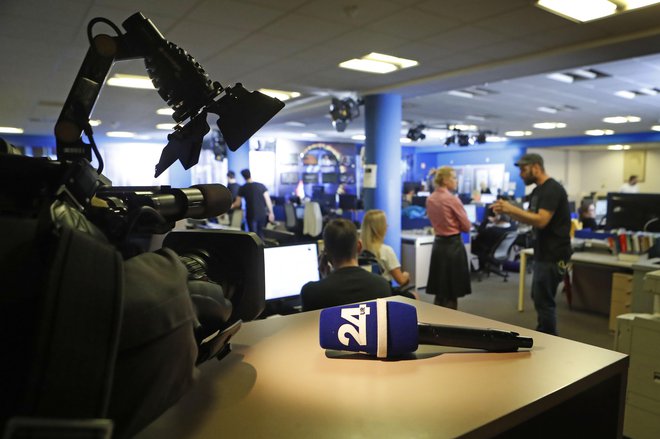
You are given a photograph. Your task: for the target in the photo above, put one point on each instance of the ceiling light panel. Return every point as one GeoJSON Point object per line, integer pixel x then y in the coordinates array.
{"type": "Point", "coordinates": [599, 132]}
{"type": "Point", "coordinates": [282, 95]}
{"type": "Point", "coordinates": [580, 11]}
{"type": "Point", "coordinates": [130, 81]}
{"type": "Point", "coordinates": [378, 63]}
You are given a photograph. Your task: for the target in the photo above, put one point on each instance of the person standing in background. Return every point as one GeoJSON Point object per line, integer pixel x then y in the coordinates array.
{"type": "Point", "coordinates": [630, 187]}
{"type": "Point", "coordinates": [449, 274]}
{"type": "Point", "coordinates": [258, 206]}
{"type": "Point", "coordinates": [550, 215]}
{"type": "Point", "coordinates": [232, 185]}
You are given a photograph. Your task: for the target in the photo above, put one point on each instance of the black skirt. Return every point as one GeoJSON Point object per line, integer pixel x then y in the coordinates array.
{"type": "Point", "coordinates": [449, 274]}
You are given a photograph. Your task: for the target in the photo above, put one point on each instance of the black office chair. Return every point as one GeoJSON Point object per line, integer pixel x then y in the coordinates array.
{"type": "Point", "coordinates": [368, 260]}
{"type": "Point", "coordinates": [493, 262]}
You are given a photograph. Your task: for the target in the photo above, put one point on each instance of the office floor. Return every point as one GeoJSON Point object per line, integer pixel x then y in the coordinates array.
{"type": "Point", "coordinates": [497, 300]}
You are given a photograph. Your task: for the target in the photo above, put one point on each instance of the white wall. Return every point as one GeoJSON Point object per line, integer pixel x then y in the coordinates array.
{"type": "Point", "coordinates": [582, 172]}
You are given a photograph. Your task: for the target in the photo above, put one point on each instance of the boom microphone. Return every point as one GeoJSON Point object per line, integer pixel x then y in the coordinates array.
{"type": "Point", "coordinates": [390, 329]}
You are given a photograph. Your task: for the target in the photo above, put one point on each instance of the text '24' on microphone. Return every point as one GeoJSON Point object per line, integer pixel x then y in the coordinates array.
{"type": "Point", "coordinates": [390, 329]}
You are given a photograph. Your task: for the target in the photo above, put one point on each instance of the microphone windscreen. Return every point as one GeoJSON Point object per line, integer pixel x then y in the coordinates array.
{"type": "Point", "coordinates": [217, 199]}
{"type": "Point", "coordinates": [381, 328]}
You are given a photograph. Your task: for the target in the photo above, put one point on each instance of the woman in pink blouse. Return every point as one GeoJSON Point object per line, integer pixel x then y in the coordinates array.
{"type": "Point", "coordinates": [449, 275]}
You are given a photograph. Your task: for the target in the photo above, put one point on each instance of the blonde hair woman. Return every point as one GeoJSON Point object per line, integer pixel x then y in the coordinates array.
{"type": "Point", "coordinates": [449, 274]}
{"type": "Point", "coordinates": [374, 227]}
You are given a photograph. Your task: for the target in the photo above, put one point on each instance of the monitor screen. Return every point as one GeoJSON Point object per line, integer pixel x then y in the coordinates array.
{"type": "Point", "coordinates": [601, 208]}
{"type": "Point", "coordinates": [288, 268]}
{"type": "Point", "coordinates": [330, 177]}
{"type": "Point", "coordinates": [471, 210]}
{"type": "Point", "coordinates": [633, 211]}
{"type": "Point", "coordinates": [418, 200]}
{"type": "Point", "coordinates": [348, 201]}
{"type": "Point", "coordinates": [310, 177]}
{"type": "Point", "coordinates": [289, 178]}
{"type": "Point", "coordinates": [488, 198]}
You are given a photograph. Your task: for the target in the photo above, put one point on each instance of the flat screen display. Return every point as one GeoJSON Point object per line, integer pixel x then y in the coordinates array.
{"type": "Point", "coordinates": [310, 177]}
{"type": "Point", "coordinates": [471, 210]}
{"type": "Point", "coordinates": [330, 177]}
{"type": "Point", "coordinates": [289, 178]}
{"type": "Point", "coordinates": [288, 268]}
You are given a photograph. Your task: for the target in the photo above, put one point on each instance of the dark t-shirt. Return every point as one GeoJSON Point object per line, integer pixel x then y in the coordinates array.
{"type": "Point", "coordinates": [255, 204]}
{"type": "Point", "coordinates": [233, 188]}
{"type": "Point", "coordinates": [553, 243]}
{"type": "Point", "coordinates": [343, 286]}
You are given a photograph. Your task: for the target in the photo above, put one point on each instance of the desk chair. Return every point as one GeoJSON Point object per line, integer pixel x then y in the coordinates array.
{"type": "Point", "coordinates": [370, 262]}
{"type": "Point", "coordinates": [291, 222]}
{"type": "Point", "coordinates": [494, 261]}
{"type": "Point", "coordinates": [313, 221]}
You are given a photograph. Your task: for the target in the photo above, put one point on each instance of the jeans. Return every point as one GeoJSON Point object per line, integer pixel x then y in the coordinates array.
{"type": "Point", "coordinates": [547, 276]}
{"type": "Point", "coordinates": [257, 225]}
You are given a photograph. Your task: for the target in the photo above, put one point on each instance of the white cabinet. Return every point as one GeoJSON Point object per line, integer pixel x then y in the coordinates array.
{"type": "Point", "coordinates": [416, 257]}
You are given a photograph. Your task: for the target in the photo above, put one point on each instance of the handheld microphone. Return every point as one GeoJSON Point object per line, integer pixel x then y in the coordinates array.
{"type": "Point", "coordinates": [390, 329]}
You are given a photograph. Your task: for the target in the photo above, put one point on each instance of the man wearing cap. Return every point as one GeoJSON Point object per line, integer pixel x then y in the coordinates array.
{"type": "Point", "coordinates": [550, 216]}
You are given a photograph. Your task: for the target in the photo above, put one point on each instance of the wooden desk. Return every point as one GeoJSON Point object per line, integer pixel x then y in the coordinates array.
{"type": "Point", "coordinates": [586, 258]}
{"type": "Point", "coordinates": [278, 383]}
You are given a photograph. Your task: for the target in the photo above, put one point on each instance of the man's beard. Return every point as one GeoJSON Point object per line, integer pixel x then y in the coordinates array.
{"type": "Point", "coordinates": [529, 180]}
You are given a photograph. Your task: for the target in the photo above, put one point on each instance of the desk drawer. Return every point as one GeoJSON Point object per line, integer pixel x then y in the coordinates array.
{"type": "Point", "coordinates": [622, 281]}
{"type": "Point", "coordinates": [642, 420]}
{"type": "Point", "coordinates": [619, 295]}
{"type": "Point", "coordinates": [616, 309]}
{"type": "Point", "coordinates": [644, 377]}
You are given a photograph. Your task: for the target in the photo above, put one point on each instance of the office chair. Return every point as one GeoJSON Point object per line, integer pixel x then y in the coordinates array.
{"type": "Point", "coordinates": [493, 261]}
{"type": "Point", "coordinates": [236, 219]}
{"type": "Point", "coordinates": [369, 261]}
{"type": "Point", "coordinates": [313, 221]}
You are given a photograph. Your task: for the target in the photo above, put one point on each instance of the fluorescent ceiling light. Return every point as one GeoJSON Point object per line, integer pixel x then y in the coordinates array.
{"type": "Point", "coordinates": [308, 135]}
{"type": "Point", "coordinates": [295, 123]}
{"type": "Point", "coordinates": [561, 77]}
{"type": "Point", "coordinates": [359, 137]}
{"type": "Point", "coordinates": [649, 91]}
{"type": "Point", "coordinates": [549, 125]}
{"type": "Point", "coordinates": [405, 140]}
{"type": "Point", "coordinates": [618, 147]}
{"type": "Point", "coordinates": [131, 81]}
{"type": "Point", "coordinates": [622, 119]}
{"type": "Point", "coordinates": [583, 73]}
{"type": "Point", "coordinates": [479, 118]}
{"type": "Point", "coordinates": [364, 65]}
{"type": "Point", "coordinates": [493, 139]}
{"type": "Point", "coordinates": [11, 130]}
{"type": "Point", "coordinates": [95, 122]}
{"type": "Point", "coordinates": [634, 4]}
{"type": "Point", "coordinates": [282, 95]}
{"type": "Point", "coordinates": [655, 127]}
{"type": "Point", "coordinates": [518, 133]}
{"type": "Point", "coordinates": [550, 110]}
{"type": "Point", "coordinates": [378, 63]}
{"type": "Point", "coordinates": [165, 126]}
{"type": "Point", "coordinates": [627, 94]}
{"type": "Point", "coordinates": [125, 134]}
{"type": "Point", "coordinates": [461, 93]}
{"type": "Point", "coordinates": [463, 127]}
{"type": "Point", "coordinates": [599, 132]}
{"type": "Point", "coordinates": [582, 10]}
{"type": "Point", "coordinates": [167, 111]}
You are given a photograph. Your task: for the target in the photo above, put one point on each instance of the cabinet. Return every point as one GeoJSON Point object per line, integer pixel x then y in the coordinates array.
{"type": "Point", "coordinates": [416, 257]}
{"type": "Point", "coordinates": [621, 299]}
{"type": "Point", "coordinates": [639, 336]}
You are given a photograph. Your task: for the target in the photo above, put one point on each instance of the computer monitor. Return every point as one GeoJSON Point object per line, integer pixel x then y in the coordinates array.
{"type": "Point", "coordinates": [419, 201]}
{"type": "Point", "coordinates": [488, 198]}
{"type": "Point", "coordinates": [288, 268]}
{"type": "Point", "coordinates": [471, 210]}
{"type": "Point", "coordinates": [289, 178]}
{"type": "Point", "coordinates": [601, 208]}
{"type": "Point", "coordinates": [633, 211]}
{"type": "Point", "coordinates": [348, 201]}
{"type": "Point", "coordinates": [329, 177]}
{"type": "Point", "coordinates": [310, 177]}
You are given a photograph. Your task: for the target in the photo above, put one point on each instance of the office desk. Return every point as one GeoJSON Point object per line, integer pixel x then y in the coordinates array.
{"type": "Point", "coordinates": [584, 258]}
{"type": "Point", "coordinates": [278, 383]}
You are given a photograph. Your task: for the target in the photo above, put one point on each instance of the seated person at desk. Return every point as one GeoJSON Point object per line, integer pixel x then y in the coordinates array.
{"type": "Point", "coordinates": [374, 227]}
{"type": "Point", "coordinates": [587, 216]}
{"type": "Point", "coordinates": [348, 282]}
{"type": "Point", "coordinates": [488, 235]}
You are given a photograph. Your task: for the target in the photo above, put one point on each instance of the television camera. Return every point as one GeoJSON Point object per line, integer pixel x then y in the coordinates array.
{"type": "Point", "coordinates": [45, 204]}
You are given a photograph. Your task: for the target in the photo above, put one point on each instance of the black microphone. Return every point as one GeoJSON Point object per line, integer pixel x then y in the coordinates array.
{"type": "Point", "coordinates": [199, 201]}
{"type": "Point", "coordinates": [390, 329]}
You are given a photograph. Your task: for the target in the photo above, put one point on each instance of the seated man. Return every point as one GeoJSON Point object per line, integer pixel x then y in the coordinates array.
{"type": "Point", "coordinates": [347, 283]}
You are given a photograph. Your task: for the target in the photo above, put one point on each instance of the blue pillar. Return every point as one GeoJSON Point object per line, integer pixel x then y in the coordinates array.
{"type": "Point", "coordinates": [239, 159]}
{"type": "Point", "coordinates": [383, 148]}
